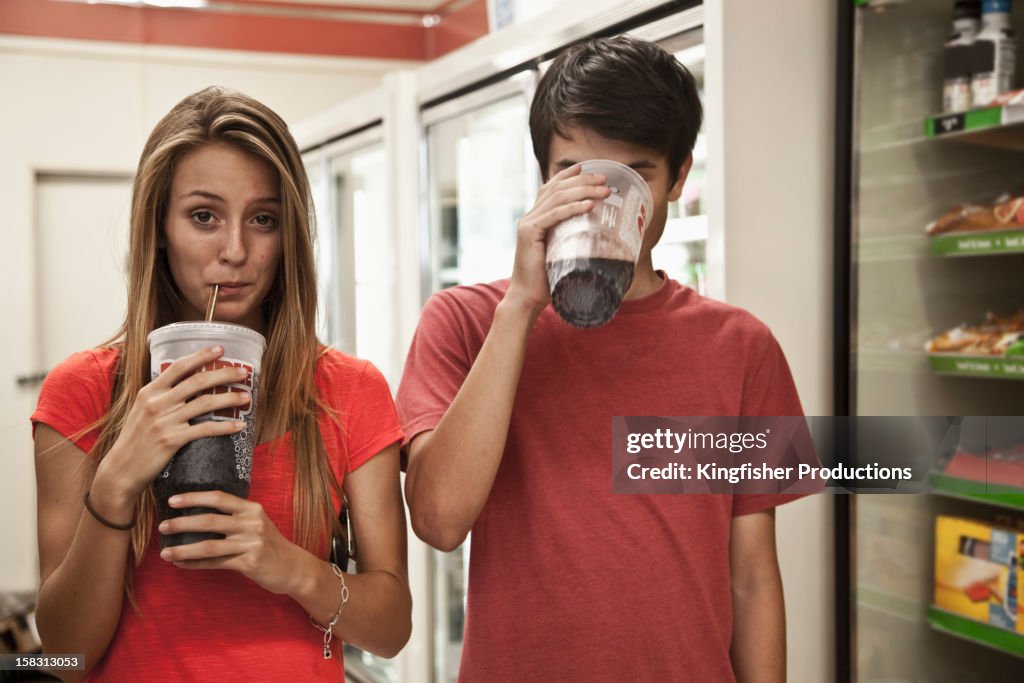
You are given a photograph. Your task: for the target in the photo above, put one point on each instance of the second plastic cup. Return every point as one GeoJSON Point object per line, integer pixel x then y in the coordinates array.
{"type": "Point", "coordinates": [221, 463]}
{"type": "Point", "coordinates": [591, 258]}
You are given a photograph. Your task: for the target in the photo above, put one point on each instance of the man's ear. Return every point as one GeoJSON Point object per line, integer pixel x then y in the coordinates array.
{"type": "Point", "coordinates": [676, 191]}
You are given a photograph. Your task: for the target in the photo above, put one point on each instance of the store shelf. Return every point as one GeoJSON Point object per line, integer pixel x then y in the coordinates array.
{"type": "Point", "coordinates": [976, 632]}
{"type": "Point", "coordinates": [892, 360]}
{"type": "Point", "coordinates": [996, 367]}
{"type": "Point", "coordinates": [1001, 127]}
{"type": "Point", "coordinates": [979, 491]}
{"type": "Point", "coordinates": [978, 243]}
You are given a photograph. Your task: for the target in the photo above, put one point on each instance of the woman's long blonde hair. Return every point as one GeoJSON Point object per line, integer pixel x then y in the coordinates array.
{"type": "Point", "coordinates": [288, 399]}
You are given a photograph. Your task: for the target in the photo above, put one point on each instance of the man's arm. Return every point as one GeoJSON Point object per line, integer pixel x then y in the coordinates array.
{"type": "Point", "coordinates": [452, 467]}
{"type": "Point", "coordinates": [758, 612]}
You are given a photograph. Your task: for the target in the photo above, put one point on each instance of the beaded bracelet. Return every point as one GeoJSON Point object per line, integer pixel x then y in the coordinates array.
{"type": "Point", "coordinates": [329, 631]}
{"type": "Point", "coordinates": [104, 521]}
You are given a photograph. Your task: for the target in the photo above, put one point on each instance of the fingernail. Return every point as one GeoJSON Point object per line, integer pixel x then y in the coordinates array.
{"type": "Point", "coordinates": [165, 554]}
{"type": "Point", "coordinates": [240, 426]}
{"type": "Point", "coordinates": [241, 372]}
{"type": "Point", "coordinates": [217, 349]}
{"type": "Point", "coordinates": [164, 526]}
{"type": "Point", "coordinates": [174, 500]}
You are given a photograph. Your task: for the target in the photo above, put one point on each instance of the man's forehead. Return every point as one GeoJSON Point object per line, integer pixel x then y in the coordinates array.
{"type": "Point", "coordinates": [580, 143]}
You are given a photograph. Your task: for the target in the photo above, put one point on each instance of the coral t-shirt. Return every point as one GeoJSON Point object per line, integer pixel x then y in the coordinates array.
{"type": "Point", "coordinates": [215, 625]}
{"type": "Point", "coordinates": [568, 581]}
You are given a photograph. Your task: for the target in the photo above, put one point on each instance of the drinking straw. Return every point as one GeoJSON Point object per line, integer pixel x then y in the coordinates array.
{"type": "Point", "coordinates": [212, 303]}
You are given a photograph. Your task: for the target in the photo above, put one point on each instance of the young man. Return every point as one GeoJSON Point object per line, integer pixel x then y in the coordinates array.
{"type": "Point", "coordinates": [508, 411]}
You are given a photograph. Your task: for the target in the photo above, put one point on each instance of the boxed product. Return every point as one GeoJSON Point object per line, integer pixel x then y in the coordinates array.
{"type": "Point", "coordinates": [978, 571]}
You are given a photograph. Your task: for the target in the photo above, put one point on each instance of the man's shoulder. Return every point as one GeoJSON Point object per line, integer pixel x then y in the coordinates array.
{"type": "Point", "coordinates": [711, 316]}
{"type": "Point", "coordinates": [469, 301]}
{"type": "Point", "coordinates": [480, 293]}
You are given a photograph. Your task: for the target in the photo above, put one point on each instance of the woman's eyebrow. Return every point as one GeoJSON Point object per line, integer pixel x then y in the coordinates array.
{"type": "Point", "coordinates": [216, 197]}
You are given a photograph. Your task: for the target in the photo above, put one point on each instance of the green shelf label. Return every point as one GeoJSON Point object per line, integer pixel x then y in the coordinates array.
{"type": "Point", "coordinates": [982, 491]}
{"type": "Point", "coordinates": [946, 124]}
{"type": "Point", "coordinates": [983, 634]}
{"type": "Point", "coordinates": [977, 366]}
{"type": "Point", "coordinates": [978, 243]}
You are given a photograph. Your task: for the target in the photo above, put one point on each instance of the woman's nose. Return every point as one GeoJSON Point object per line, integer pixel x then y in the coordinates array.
{"type": "Point", "coordinates": [233, 249]}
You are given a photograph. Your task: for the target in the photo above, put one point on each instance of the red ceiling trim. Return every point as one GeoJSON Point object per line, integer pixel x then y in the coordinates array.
{"type": "Point", "coordinates": [242, 31]}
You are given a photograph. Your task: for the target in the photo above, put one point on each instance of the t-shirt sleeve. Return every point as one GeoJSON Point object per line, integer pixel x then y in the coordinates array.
{"type": "Point", "coordinates": [74, 396]}
{"type": "Point", "coordinates": [372, 424]}
{"type": "Point", "coordinates": [769, 391]}
{"type": "Point", "coordinates": [435, 368]}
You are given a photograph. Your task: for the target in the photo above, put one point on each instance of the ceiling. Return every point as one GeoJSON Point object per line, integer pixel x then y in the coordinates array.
{"type": "Point", "coordinates": [417, 5]}
{"type": "Point", "coordinates": [377, 29]}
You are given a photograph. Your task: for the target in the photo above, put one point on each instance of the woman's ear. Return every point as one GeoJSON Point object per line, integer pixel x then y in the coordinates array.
{"type": "Point", "coordinates": [676, 191]}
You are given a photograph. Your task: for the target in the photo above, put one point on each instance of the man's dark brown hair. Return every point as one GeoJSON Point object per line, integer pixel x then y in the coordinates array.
{"type": "Point", "coordinates": [623, 89]}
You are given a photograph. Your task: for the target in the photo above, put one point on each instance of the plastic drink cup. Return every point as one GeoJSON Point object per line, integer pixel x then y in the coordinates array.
{"type": "Point", "coordinates": [591, 257]}
{"type": "Point", "coordinates": [222, 463]}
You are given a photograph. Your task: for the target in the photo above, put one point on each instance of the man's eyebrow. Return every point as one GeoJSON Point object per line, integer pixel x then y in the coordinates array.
{"type": "Point", "coordinates": [216, 197]}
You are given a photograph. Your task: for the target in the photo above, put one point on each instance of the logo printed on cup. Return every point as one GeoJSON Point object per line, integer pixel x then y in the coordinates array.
{"type": "Point", "coordinates": [232, 413]}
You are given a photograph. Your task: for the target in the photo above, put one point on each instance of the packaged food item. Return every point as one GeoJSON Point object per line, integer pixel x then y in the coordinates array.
{"type": "Point", "coordinates": [1009, 98]}
{"type": "Point", "coordinates": [996, 336]}
{"type": "Point", "coordinates": [978, 571]}
{"type": "Point", "coordinates": [995, 54]}
{"type": "Point", "coordinates": [958, 62]}
{"type": "Point", "coordinates": [1005, 213]}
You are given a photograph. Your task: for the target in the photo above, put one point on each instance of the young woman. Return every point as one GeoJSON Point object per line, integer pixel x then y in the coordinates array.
{"type": "Point", "coordinates": [220, 198]}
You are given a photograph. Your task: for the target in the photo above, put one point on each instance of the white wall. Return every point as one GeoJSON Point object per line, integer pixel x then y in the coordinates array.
{"type": "Point", "coordinates": [75, 106]}
{"type": "Point", "coordinates": [770, 78]}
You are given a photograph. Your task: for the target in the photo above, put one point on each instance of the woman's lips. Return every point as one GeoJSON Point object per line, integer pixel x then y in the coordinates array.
{"type": "Point", "coordinates": [234, 289]}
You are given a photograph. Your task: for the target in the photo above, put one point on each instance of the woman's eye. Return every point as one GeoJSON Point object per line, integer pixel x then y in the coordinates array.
{"type": "Point", "coordinates": [203, 217]}
{"type": "Point", "coordinates": [265, 220]}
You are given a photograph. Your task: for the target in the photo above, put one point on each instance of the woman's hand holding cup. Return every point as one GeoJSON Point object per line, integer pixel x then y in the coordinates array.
{"type": "Point", "coordinates": [158, 424]}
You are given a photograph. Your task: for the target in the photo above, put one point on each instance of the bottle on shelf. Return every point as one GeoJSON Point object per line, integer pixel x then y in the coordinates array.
{"type": "Point", "coordinates": [958, 56]}
{"type": "Point", "coordinates": [995, 53]}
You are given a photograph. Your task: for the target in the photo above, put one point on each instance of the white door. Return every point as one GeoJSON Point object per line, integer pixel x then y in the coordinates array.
{"type": "Point", "coordinates": [82, 257]}
{"type": "Point", "coordinates": [80, 245]}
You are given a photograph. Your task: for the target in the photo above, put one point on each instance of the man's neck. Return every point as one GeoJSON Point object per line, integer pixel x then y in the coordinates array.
{"type": "Point", "coordinates": [645, 280]}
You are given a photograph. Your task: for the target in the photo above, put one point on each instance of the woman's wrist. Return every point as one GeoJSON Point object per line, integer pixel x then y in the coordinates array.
{"type": "Point", "coordinates": [111, 496]}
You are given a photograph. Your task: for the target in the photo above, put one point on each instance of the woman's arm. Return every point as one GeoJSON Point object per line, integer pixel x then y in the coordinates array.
{"type": "Point", "coordinates": [378, 616]}
{"type": "Point", "coordinates": [82, 562]}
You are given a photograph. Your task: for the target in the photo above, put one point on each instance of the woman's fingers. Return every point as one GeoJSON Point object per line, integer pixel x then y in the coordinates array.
{"type": "Point", "coordinates": [218, 500]}
{"type": "Point", "coordinates": [186, 365]}
{"type": "Point", "coordinates": [202, 550]}
{"type": "Point", "coordinates": [208, 403]}
{"type": "Point", "coordinates": [212, 522]}
{"type": "Point", "coordinates": [204, 381]}
{"type": "Point", "coordinates": [209, 428]}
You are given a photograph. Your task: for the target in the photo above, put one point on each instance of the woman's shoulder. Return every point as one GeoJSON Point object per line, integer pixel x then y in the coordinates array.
{"type": "Point", "coordinates": [343, 374]}
{"type": "Point", "coordinates": [92, 366]}
{"type": "Point", "coordinates": [337, 364]}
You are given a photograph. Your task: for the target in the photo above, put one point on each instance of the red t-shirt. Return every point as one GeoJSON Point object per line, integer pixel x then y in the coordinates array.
{"type": "Point", "coordinates": [566, 580]}
{"type": "Point", "coordinates": [216, 625]}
